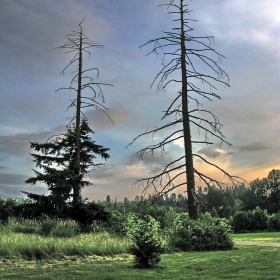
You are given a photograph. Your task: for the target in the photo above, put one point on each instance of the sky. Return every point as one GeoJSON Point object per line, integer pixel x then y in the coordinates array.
{"type": "Point", "coordinates": [246, 32]}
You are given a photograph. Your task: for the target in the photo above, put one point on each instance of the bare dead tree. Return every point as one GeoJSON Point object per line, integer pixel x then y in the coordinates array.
{"type": "Point", "coordinates": [180, 52]}
{"type": "Point", "coordinates": [78, 43]}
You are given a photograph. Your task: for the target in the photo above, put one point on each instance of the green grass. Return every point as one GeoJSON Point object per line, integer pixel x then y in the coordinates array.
{"type": "Point", "coordinates": [247, 262]}
{"type": "Point", "coordinates": [34, 246]}
{"type": "Point", "coordinates": [258, 236]}
{"type": "Point", "coordinates": [26, 254]}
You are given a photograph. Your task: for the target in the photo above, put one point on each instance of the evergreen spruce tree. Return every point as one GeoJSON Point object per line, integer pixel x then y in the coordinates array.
{"type": "Point", "coordinates": [56, 159]}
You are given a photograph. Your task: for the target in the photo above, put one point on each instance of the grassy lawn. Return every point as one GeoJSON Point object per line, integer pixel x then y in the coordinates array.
{"type": "Point", "coordinates": [258, 236]}
{"type": "Point", "coordinates": [245, 262]}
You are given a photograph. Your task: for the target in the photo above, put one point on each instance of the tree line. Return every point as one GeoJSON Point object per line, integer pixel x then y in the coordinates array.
{"type": "Point", "coordinates": [219, 202]}
{"type": "Point", "coordinates": [228, 202]}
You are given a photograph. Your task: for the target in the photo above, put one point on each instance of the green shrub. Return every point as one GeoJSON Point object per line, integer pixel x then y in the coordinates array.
{"type": "Point", "coordinates": [180, 233]}
{"type": "Point", "coordinates": [211, 235]}
{"type": "Point", "coordinates": [115, 222]}
{"type": "Point", "coordinates": [242, 221]}
{"type": "Point", "coordinates": [204, 234]}
{"type": "Point", "coordinates": [7, 207]}
{"type": "Point", "coordinates": [259, 219]}
{"type": "Point", "coordinates": [274, 222]}
{"type": "Point", "coordinates": [147, 244]}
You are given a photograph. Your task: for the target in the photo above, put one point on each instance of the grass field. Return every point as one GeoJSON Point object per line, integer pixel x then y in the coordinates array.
{"type": "Point", "coordinates": [245, 262]}
{"type": "Point", "coordinates": [258, 236]}
{"type": "Point", "coordinates": [30, 255]}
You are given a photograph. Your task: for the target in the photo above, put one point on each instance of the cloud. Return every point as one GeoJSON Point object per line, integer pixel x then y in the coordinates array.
{"type": "Point", "coordinates": [210, 152]}
{"type": "Point", "coordinates": [31, 28]}
{"type": "Point", "coordinates": [12, 184]}
{"type": "Point", "coordinates": [254, 147]}
{"type": "Point", "coordinates": [11, 179]}
{"type": "Point", "coordinates": [14, 191]}
{"type": "Point", "coordinates": [19, 144]}
{"type": "Point", "coordinates": [99, 122]}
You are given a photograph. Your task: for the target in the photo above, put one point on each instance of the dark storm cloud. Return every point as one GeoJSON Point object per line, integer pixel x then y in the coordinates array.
{"type": "Point", "coordinates": [254, 147]}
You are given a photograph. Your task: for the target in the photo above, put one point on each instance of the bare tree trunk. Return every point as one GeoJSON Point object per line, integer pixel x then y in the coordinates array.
{"type": "Point", "coordinates": [186, 125]}
{"type": "Point", "coordinates": [177, 48]}
{"type": "Point", "coordinates": [76, 187]}
{"type": "Point", "coordinates": [78, 43]}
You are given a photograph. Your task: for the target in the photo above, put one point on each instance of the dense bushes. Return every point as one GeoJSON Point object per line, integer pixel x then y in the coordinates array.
{"type": "Point", "coordinates": [204, 234]}
{"type": "Point", "coordinates": [250, 220]}
{"type": "Point", "coordinates": [274, 222]}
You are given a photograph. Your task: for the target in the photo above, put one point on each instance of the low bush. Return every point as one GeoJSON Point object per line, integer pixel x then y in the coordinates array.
{"type": "Point", "coordinates": [259, 219]}
{"type": "Point", "coordinates": [242, 221]}
{"type": "Point", "coordinates": [204, 234]}
{"type": "Point", "coordinates": [274, 222]}
{"type": "Point", "coordinates": [147, 243]}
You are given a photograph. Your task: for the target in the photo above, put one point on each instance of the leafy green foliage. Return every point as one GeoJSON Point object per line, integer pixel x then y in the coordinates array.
{"type": "Point", "coordinates": [204, 234]}
{"type": "Point", "coordinates": [7, 207]}
{"type": "Point", "coordinates": [250, 220]}
{"type": "Point", "coordinates": [242, 221]}
{"type": "Point", "coordinates": [259, 219]}
{"type": "Point", "coordinates": [274, 222]}
{"type": "Point", "coordinates": [179, 234]}
{"type": "Point", "coordinates": [147, 244]}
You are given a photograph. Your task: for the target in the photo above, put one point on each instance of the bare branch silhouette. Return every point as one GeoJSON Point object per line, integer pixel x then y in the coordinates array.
{"type": "Point", "coordinates": [184, 54]}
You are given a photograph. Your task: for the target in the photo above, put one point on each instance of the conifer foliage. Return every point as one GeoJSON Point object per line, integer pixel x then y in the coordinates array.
{"type": "Point", "coordinates": [56, 159]}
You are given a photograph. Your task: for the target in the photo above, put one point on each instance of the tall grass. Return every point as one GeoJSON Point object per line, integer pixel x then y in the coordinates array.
{"type": "Point", "coordinates": [35, 240]}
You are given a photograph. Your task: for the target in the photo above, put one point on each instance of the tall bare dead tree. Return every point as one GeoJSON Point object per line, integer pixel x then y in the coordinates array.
{"type": "Point", "coordinates": [182, 52]}
{"type": "Point", "coordinates": [78, 43]}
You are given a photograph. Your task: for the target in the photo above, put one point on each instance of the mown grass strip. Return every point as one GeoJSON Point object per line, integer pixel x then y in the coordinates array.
{"type": "Point", "coordinates": [246, 262]}
{"type": "Point", "coordinates": [258, 236]}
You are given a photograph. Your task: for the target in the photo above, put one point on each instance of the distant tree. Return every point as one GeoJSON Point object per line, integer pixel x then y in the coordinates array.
{"type": "Point", "coordinates": [56, 160]}
{"type": "Point", "coordinates": [219, 202]}
{"type": "Point", "coordinates": [273, 179]}
{"type": "Point", "coordinates": [185, 54]}
{"type": "Point", "coordinates": [78, 43]}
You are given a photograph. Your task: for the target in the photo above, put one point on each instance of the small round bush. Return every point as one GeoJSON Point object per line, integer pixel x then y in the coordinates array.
{"type": "Point", "coordinates": [259, 219]}
{"type": "Point", "coordinates": [242, 221]}
{"type": "Point", "coordinates": [274, 222]}
{"type": "Point", "coordinates": [147, 244]}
